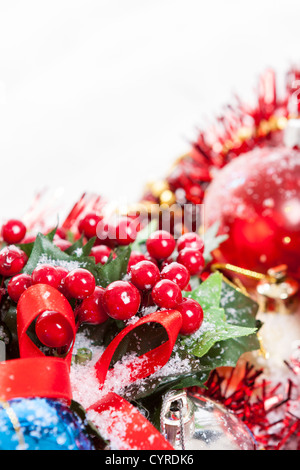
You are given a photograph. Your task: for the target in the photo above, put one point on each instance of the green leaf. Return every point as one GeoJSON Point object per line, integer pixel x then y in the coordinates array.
{"type": "Point", "coordinates": [240, 309]}
{"type": "Point", "coordinates": [43, 250]}
{"type": "Point", "coordinates": [79, 250]}
{"type": "Point", "coordinates": [208, 294]}
{"type": "Point", "coordinates": [114, 269]}
{"type": "Point", "coordinates": [28, 247]}
{"type": "Point", "coordinates": [216, 326]}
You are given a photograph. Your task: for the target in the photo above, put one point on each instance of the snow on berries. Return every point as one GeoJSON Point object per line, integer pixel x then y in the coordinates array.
{"type": "Point", "coordinates": [157, 274]}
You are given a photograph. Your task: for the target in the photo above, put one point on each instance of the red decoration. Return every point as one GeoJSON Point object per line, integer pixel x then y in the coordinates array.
{"type": "Point", "coordinates": [139, 432]}
{"type": "Point", "coordinates": [256, 199]}
{"type": "Point", "coordinates": [36, 300]}
{"type": "Point", "coordinates": [270, 410]}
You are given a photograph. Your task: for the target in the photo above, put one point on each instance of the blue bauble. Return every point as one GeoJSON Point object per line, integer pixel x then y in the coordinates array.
{"type": "Point", "coordinates": [41, 424]}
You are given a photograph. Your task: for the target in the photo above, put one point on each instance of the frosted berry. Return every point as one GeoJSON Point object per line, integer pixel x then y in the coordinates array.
{"type": "Point", "coordinates": [166, 294]}
{"type": "Point", "coordinates": [88, 225]}
{"type": "Point", "coordinates": [192, 259]}
{"type": "Point", "coordinates": [177, 273]}
{"type": "Point", "coordinates": [53, 330]}
{"type": "Point", "coordinates": [123, 231]}
{"type": "Point", "coordinates": [13, 231]}
{"type": "Point", "coordinates": [46, 274]}
{"type": "Point", "coordinates": [192, 316]}
{"type": "Point", "coordinates": [121, 300]}
{"type": "Point", "coordinates": [91, 309]}
{"type": "Point", "coordinates": [101, 253]}
{"type": "Point", "coordinates": [144, 275]}
{"type": "Point", "coordinates": [79, 283]}
{"type": "Point", "coordinates": [12, 261]}
{"type": "Point", "coordinates": [160, 244]}
{"type": "Point", "coordinates": [190, 240]}
{"type": "Point", "coordinates": [17, 285]}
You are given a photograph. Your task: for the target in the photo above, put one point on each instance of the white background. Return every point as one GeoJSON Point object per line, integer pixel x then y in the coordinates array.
{"type": "Point", "coordinates": [103, 95]}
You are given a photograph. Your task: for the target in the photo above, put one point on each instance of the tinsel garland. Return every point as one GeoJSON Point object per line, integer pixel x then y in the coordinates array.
{"type": "Point", "coordinates": [269, 410]}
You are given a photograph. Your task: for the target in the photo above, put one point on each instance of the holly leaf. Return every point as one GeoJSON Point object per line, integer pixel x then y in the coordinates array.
{"type": "Point", "coordinates": [28, 247]}
{"type": "Point", "coordinates": [79, 250]}
{"type": "Point", "coordinates": [216, 326]}
{"type": "Point", "coordinates": [113, 269]}
{"type": "Point", "coordinates": [44, 251]}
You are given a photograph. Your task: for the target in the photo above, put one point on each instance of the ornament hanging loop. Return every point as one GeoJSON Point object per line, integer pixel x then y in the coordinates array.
{"type": "Point", "coordinates": [177, 418]}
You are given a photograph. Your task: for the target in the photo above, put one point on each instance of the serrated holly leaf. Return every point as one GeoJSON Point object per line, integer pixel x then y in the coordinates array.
{"type": "Point", "coordinates": [216, 326]}
{"type": "Point", "coordinates": [79, 250]}
{"type": "Point", "coordinates": [28, 247]}
{"type": "Point", "coordinates": [113, 269]}
{"type": "Point", "coordinates": [43, 249]}
{"type": "Point", "coordinates": [240, 309]}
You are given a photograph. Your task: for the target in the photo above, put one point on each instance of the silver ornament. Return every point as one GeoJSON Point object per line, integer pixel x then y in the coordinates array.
{"type": "Point", "coordinates": [193, 422]}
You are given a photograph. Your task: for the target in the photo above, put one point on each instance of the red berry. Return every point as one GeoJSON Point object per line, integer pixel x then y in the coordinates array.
{"type": "Point", "coordinates": [166, 294]}
{"type": "Point", "coordinates": [135, 257]}
{"type": "Point", "coordinates": [123, 231]}
{"type": "Point", "coordinates": [17, 285]}
{"type": "Point", "coordinates": [91, 309]}
{"type": "Point", "coordinates": [190, 240]}
{"type": "Point", "coordinates": [80, 283]}
{"type": "Point", "coordinates": [192, 259]}
{"type": "Point", "coordinates": [88, 225]}
{"type": "Point", "coordinates": [46, 274]}
{"type": "Point", "coordinates": [53, 330]}
{"type": "Point", "coordinates": [12, 260]}
{"type": "Point", "coordinates": [13, 231]}
{"type": "Point", "coordinates": [121, 300]}
{"type": "Point", "coordinates": [62, 244]}
{"type": "Point", "coordinates": [101, 253]}
{"type": "Point", "coordinates": [62, 272]}
{"type": "Point", "coordinates": [160, 244]}
{"type": "Point", "coordinates": [144, 275]}
{"type": "Point", "coordinates": [192, 316]}
{"type": "Point", "coordinates": [177, 273]}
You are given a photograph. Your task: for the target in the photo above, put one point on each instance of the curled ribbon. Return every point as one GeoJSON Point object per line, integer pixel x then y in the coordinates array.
{"type": "Point", "coordinates": [33, 302]}
{"type": "Point", "coordinates": [34, 374]}
{"type": "Point", "coordinates": [37, 375]}
{"type": "Point", "coordinates": [137, 432]}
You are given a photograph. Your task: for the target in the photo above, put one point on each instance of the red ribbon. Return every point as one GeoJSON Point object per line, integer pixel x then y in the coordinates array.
{"type": "Point", "coordinates": [137, 431]}
{"type": "Point", "coordinates": [33, 302]}
{"type": "Point", "coordinates": [36, 375]}
{"type": "Point", "coordinates": [44, 377]}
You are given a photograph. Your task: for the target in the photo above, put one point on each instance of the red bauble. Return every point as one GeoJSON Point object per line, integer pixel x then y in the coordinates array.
{"type": "Point", "coordinates": [256, 199]}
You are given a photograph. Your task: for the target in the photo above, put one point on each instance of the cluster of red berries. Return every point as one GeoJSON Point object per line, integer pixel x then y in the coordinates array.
{"type": "Point", "coordinates": [155, 278]}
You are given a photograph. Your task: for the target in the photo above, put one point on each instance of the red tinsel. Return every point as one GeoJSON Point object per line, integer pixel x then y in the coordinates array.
{"type": "Point", "coordinates": [240, 127]}
{"type": "Point", "coordinates": [271, 412]}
